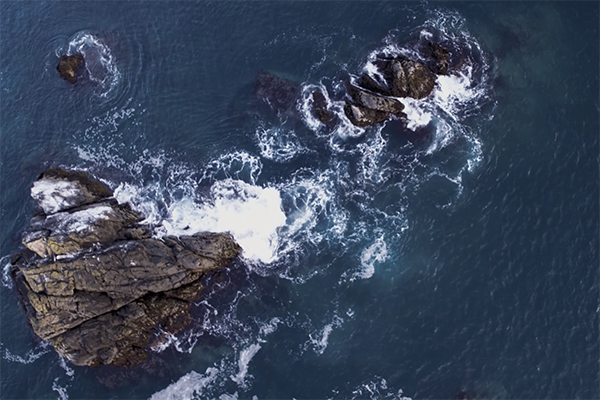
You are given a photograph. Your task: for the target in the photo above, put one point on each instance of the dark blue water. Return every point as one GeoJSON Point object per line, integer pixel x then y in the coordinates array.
{"type": "Point", "coordinates": [379, 263]}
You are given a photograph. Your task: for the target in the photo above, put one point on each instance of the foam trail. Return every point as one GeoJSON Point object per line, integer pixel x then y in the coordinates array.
{"type": "Point", "coordinates": [320, 339]}
{"type": "Point", "coordinates": [30, 356]}
{"type": "Point", "coordinates": [7, 281]}
{"type": "Point", "coordinates": [250, 213]}
{"type": "Point", "coordinates": [62, 391]}
{"type": "Point", "coordinates": [278, 144]}
{"type": "Point", "coordinates": [245, 357]}
{"type": "Point", "coordinates": [100, 62]}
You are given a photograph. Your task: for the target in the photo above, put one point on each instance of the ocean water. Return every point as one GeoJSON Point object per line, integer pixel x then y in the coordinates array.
{"type": "Point", "coordinates": [457, 253]}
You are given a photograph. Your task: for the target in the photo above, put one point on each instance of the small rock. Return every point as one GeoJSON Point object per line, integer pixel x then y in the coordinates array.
{"type": "Point", "coordinates": [320, 108]}
{"type": "Point", "coordinates": [69, 67]}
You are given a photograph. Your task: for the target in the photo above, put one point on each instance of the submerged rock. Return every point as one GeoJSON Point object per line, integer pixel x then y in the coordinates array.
{"type": "Point", "coordinates": [99, 288]}
{"type": "Point", "coordinates": [280, 93]}
{"type": "Point", "coordinates": [70, 67]}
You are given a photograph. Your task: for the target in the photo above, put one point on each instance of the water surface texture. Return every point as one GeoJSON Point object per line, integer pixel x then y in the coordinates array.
{"type": "Point", "coordinates": [458, 253]}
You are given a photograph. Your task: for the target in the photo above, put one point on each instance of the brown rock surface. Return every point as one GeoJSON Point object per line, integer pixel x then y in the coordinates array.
{"type": "Point", "coordinates": [99, 286]}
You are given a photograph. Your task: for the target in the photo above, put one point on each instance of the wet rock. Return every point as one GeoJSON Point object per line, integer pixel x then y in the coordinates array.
{"type": "Point", "coordinates": [320, 109]}
{"type": "Point", "coordinates": [367, 82]}
{"type": "Point", "coordinates": [70, 67]}
{"type": "Point", "coordinates": [438, 55]}
{"type": "Point", "coordinates": [99, 286]}
{"type": "Point", "coordinates": [69, 232]}
{"type": "Point", "coordinates": [363, 116]}
{"type": "Point", "coordinates": [280, 93]}
{"type": "Point", "coordinates": [408, 78]}
{"type": "Point", "coordinates": [374, 101]}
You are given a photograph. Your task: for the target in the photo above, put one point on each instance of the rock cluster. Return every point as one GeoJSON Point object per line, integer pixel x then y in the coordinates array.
{"type": "Point", "coordinates": [372, 101]}
{"type": "Point", "coordinates": [369, 100]}
{"type": "Point", "coordinates": [70, 67]}
{"type": "Point", "coordinates": [97, 286]}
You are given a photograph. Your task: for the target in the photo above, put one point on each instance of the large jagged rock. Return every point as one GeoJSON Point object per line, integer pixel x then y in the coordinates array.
{"type": "Point", "coordinates": [401, 77]}
{"type": "Point", "coordinates": [69, 232]}
{"type": "Point", "coordinates": [99, 286]}
{"type": "Point", "coordinates": [407, 78]}
{"type": "Point", "coordinates": [70, 67]}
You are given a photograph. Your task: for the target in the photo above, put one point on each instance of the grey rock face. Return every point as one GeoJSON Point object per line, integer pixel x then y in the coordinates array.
{"type": "Point", "coordinates": [98, 286]}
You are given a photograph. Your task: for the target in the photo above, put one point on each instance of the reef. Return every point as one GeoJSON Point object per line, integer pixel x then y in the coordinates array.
{"type": "Point", "coordinates": [96, 284]}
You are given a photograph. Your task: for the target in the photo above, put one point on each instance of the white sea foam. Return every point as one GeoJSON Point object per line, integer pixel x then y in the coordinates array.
{"type": "Point", "coordinates": [270, 327]}
{"type": "Point", "coordinates": [189, 386]}
{"type": "Point", "coordinates": [80, 220]}
{"type": "Point", "coordinates": [244, 359]}
{"type": "Point", "coordinates": [239, 165]}
{"type": "Point", "coordinates": [30, 356]}
{"type": "Point", "coordinates": [377, 389]}
{"type": "Point", "coordinates": [278, 144]}
{"type": "Point", "coordinates": [375, 253]}
{"type": "Point", "coordinates": [313, 212]}
{"type": "Point", "coordinates": [252, 214]}
{"type": "Point", "coordinates": [62, 391]}
{"type": "Point", "coordinates": [143, 200]}
{"type": "Point", "coordinates": [55, 195]}
{"type": "Point", "coordinates": [319, 340]}
{"type": "Point", "coordinates": [417, 114]}
{"type": "Point", "coordinates": [99, 60]}
{"type": "Point", "coordinates": [7, 281]}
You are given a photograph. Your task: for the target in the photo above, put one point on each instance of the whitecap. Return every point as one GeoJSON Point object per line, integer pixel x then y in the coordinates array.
{"type": "Point", "coordinates": [252, 214]}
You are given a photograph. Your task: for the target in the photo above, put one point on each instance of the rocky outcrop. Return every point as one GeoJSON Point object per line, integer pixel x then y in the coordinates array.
{"type": "Point", "coordinates": [374, 100]}
{"type": "Point", "coordinates": [407, 78]}
{"type": "Point", "coordinates": [98, 287]}
{"type": "Point", "coordinates": [70, 67]}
